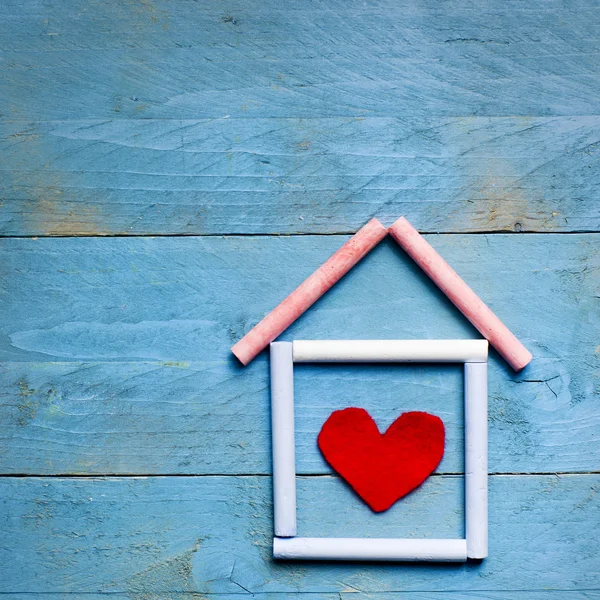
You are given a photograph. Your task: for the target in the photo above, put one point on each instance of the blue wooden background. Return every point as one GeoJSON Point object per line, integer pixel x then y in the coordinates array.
{"type": "Point", "coordinates": [170, 170]}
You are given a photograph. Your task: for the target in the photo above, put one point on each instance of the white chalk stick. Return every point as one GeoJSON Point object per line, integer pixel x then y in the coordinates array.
{"type": "Point", "coordinates": [282, 427]}
{"type": "Point", "coordinates": [390, 350]}
{"type": "Point", "coordinates": [476, 458]}
{"type": "Point", "coordinates": [370, 549]}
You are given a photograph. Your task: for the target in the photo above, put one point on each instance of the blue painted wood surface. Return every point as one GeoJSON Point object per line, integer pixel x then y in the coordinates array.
{"type": "Point", "coordinates": [124, 350]}
{"type": "Point", "coordinates": [134, 451]}
{"type": "Point", "coordinates": [155, 116]}
{"type": "Point", "coordinates": [186, 59]}
{"type": "Point", "coordinates": [328, 175]}
{"type": "Point", "coordinates": [213, 535]}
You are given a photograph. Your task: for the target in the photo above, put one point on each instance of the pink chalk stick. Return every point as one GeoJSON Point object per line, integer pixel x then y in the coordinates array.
{"type": "Point", "coordinates": [463, 297]}
{"type": "Point", "coordinates": [308, 292]}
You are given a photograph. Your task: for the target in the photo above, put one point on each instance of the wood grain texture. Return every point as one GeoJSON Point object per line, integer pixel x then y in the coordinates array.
{"type": "Point", "coordinates": [247, 58]}
{"type": "Point", "coordinates": [213, 535]}
{"type": "Point", "coordinates": [161, 117]}
{"type": "Point", "coordinates": [116, 351]}
{"type": "Point", "coordinates": [319, 175]}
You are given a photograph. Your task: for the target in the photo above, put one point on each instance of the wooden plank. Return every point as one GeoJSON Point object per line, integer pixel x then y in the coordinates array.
{"type": "Point", "coordinates": [116, 351]}
{"type": "Point", "coordinates": [319, 175]}
{"type": "Point", "coordinates": [177, 59]}
{"type": "Point", "coordinates": [213, 535]}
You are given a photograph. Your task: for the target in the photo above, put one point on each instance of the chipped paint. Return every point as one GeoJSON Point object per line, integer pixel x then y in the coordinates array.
{"type": "Point", "coordinates": [26, 403]}
{"type": "Point", "coordinates": [46, 210]}
{"type": "Point", "coordinates": [171, 574]}
{"type": "Point", "coordinates": [176, 364]}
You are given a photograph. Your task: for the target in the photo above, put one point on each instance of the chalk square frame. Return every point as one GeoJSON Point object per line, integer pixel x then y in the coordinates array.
{"type": "Point", "coordinates": [473, 354]}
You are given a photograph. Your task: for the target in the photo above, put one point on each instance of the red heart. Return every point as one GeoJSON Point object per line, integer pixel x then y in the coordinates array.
{"type": "Point", "coordinates": [382, 468]}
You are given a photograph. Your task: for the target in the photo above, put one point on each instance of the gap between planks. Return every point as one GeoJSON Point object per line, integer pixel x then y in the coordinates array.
{"type": "Point", "coordinates": [283, 234]}
{"type": "Point", "coordinates": [167, 595]}
{"type": "Point", "coordinates": [307, 475]}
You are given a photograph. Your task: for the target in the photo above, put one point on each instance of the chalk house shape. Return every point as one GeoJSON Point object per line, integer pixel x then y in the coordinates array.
{"type": "Point", "coordinates": [472, 353]}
